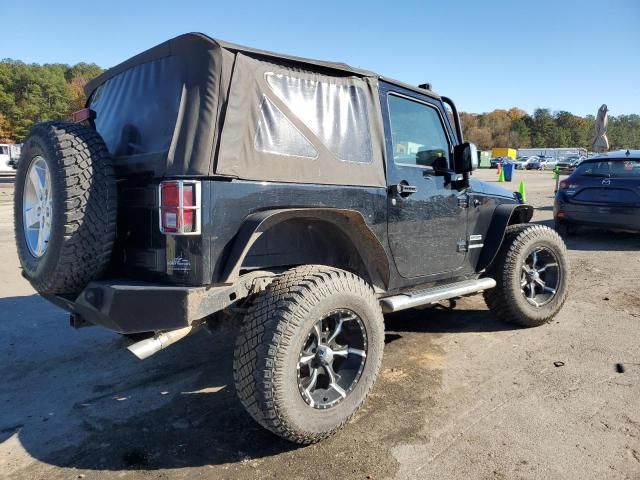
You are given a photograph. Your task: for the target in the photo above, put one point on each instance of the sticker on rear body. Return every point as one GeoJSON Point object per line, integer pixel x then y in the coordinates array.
{"type": "Point", "coordinates": [179, 264]}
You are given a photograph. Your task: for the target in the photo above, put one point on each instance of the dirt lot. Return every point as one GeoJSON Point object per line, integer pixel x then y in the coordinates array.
{"type": "Point", "coordinates": [460, 395]}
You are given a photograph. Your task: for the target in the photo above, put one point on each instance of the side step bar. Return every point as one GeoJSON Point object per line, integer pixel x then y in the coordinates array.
{"type": "Point", "coordinates": [435, 294]}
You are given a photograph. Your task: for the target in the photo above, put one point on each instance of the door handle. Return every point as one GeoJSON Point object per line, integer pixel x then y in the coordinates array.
{"type": "Point", "coordinates": [403, 189]}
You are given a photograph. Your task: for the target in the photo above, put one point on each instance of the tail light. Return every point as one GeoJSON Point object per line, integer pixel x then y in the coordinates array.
{"type": "Point", "coordinates": [569, 188]}
{"type": "Point", "coordinates": [180, 202]}
{"type": "Point", "coordinates": [83, 115]}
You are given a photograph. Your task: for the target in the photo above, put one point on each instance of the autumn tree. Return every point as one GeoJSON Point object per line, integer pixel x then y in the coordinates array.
{"type": "Point", "coordinates": [33, 93]}
{"type": "Point", "coordinates": [5, 130]}
{"type": "Point", "coordinates": [77, 77]}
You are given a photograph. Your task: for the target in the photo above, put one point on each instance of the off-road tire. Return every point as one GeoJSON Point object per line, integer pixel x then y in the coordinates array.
{"type": "Point", "coordinates": [506, 300]}
{"type": "Point", "coordinates": [268, 345]}
{"type": "Point", "coordinates": [83, 217]}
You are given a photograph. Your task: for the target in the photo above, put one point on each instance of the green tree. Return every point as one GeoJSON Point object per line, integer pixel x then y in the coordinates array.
{"type": "Point", "coordinates": [520, 136]}
{"type": "Point", "coordinates": [34, 93]}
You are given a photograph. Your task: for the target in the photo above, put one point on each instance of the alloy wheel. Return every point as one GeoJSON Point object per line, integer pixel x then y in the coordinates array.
{"type": "Point", "coordinates": [332, 359]}
{"type": "Point", "coordinates": [37, 207]}
{"type": "Point", "coordinates": [540, 276]}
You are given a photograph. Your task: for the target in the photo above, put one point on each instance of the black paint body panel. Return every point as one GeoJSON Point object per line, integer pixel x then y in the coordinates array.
{"type": "Point", "coordinates": [143, 253]}
{"type": "Point", "coordinates": [424, 236]}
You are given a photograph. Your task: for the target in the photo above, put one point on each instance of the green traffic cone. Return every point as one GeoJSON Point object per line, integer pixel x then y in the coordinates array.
{"type": "Point", "coordinates": [501, 176]}
{"type": "Point", "coordinates": [521, 191]}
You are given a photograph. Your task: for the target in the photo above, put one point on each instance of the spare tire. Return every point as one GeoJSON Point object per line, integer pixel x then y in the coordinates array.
{"type": "Point", "coordinates": [65, 207]}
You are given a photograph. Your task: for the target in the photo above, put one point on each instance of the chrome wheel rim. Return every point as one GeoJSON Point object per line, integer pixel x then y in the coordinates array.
{"type": "Point", "coordinates": [37, 207]}
{"type": "Point", "coordinates": [332, 359]}
{"type": "Point", "coordinates": [540, 276]}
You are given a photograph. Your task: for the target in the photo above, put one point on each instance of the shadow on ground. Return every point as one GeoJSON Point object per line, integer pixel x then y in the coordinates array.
{"type": "Point", "coordinates": [77, 399]}
{"type": "Point", "coordinates": [443, 320]}
{"type": "Point", "coordinates": [597, 239]}
{"type": "Point", "coordinates": [592, 239]}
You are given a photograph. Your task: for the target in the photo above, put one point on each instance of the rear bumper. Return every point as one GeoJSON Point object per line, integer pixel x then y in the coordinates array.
{"type": "Point", "coordinates": [127, 307]}
{"type": "Point", "coordinates": [599, 215]}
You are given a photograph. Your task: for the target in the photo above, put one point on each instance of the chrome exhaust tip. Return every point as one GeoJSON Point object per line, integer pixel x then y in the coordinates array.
{"type": "Point", "coordinates": [147, 347]}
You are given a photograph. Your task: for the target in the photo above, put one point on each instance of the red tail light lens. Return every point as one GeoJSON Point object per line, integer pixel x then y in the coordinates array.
{"type": "Point", "coordinates": [83, 115]}
{"type": "Point", "coordinates": [180, 207]}
{"type": "Point", "coordinates": [169, 217]}
{"type": "Point", "coordinates": [570, 187]}
{"type": "Point", "coordinates": [189, 214]}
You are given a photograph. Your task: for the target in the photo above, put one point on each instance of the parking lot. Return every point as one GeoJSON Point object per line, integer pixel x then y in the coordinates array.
{"type": "Point", "coordinates": [460, 394]}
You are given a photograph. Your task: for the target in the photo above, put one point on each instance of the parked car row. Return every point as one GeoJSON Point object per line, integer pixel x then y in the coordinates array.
{"type": "Point", "coordinates": [540, 163]}
{"type": "Point", "coordinates": [535, 162]}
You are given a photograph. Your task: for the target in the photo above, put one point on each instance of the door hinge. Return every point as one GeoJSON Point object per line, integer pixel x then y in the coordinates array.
{"type": "Point", "coordinates": [463, 201]}
{"type": "Point", "coordinates": [463, 246]}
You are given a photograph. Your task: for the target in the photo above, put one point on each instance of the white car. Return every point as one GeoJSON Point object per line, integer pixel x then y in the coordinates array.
{"type": "Point", "coordinates": [5, 158]}
{"type": "Point", "coordinates": [520, 163]}
{"type": "Point", "coordinates": [548, 164]}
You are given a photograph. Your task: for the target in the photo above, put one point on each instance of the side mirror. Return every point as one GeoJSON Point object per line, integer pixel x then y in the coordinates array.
{"type": "Point", "coordinates": [465, 158]}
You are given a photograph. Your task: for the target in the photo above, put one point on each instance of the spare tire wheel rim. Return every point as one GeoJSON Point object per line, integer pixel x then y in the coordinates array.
{"type": "Point", "coordinates": [332, 359]}
{"type": "Point", "coordinates": [37, 206]}
{"type": "Point", "coordinates": [540, 276]}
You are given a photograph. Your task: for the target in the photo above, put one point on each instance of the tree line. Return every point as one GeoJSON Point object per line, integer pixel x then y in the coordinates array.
{"type": "Point", "coordinates": [545, 129]}
{"type": "Point", "coordinates": [32, 93]}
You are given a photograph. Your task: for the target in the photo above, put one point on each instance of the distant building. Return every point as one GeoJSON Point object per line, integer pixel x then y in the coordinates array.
{"type": "Point", "coordinates": [554, 153]}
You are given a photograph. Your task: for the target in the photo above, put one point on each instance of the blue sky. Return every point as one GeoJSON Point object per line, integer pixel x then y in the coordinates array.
{"type": "Point", "coordinates": [562, 54]}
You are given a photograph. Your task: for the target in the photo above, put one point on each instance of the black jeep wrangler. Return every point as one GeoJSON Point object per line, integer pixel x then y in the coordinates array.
{"type": "Point", "coordinates": [208, 182]}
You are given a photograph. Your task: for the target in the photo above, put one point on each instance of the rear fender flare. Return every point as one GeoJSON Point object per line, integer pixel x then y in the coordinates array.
{"type": "Point", "coordinates": [503, 216]}
{"type": "Point", "coordinates": [350, 222]}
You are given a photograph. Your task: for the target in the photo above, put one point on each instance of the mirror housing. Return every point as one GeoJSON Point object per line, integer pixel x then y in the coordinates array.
{"type": "Point", "coordinates": [465, 158]}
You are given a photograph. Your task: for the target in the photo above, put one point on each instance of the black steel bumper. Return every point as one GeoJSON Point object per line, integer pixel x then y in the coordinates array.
{"type": "Point", "coordinates": [132, 307]}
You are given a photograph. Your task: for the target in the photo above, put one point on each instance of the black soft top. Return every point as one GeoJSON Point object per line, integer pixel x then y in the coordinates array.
{"type": "Point", "coordinates": [194, 105]}
{"type": "Point", "coordinates": [195, 42]}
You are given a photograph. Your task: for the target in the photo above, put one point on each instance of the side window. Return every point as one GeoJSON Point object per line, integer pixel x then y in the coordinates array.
{"type": "Point", "coordinates": [278, 136]}
{"type": "Point", "coordinates": [336, 114]}
{"type": "Point", "coordinates": [417, 133]}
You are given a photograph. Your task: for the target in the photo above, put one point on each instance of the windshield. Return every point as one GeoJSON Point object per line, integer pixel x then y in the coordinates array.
{"type": "Point", "coordinates": [613, 169]}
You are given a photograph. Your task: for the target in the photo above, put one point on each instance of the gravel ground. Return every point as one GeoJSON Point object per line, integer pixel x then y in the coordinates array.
{"type": "Point", "coordinates": [460, 394]}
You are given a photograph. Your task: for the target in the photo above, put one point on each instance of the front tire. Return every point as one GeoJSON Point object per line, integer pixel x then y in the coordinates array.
{"type": "Point", "coordinates": [532, 273]}
{"type": "Point", "coordinates": [309, 352]}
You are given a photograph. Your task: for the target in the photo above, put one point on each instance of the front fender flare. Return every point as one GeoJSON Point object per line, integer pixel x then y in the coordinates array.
{"type": "Point", "coordinates": [504, 215]}
{"type": "Point", "coordinates": [351, 222]}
